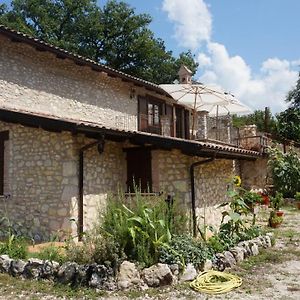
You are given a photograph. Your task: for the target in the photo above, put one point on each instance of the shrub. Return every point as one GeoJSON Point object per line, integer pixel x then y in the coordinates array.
{"type": "Point", "coordinates": [53, 253]}
{"type": "Point", "coordinates": [97, 247]}
{"type": "Point", "coordinates": [184, 249]}
{"type": "Point", "coordinates": [141, 225]}
{"type": "Point", "coordinates": [285, 169]}
{"type": "Point", "coordinates": [14, 247]}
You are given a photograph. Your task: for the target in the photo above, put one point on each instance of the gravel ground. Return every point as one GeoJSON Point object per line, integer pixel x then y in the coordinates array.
{"type": "Point", "coordinates": [272, 275]}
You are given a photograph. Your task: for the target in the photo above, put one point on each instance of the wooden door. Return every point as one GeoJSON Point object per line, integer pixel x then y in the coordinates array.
{"type": "Point", "coordinates": [139, 169]}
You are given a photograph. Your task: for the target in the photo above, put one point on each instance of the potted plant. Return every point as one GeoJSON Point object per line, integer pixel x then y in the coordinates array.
{"type": "Point", "coordinates": [297, 199]}
{"type": "Point", "coordinates": [274, 220]}
{"type": "Point", "coordinates": [276, 203]}
{"type": "Point", "coordinates": [251, 199]}
{"type": "Point", "coordinates": [265, 199]}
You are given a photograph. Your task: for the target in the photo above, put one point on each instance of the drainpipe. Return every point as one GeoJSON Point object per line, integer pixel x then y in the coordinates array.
{"type": "Point", "coordinates": [192, 175]}
{"type": "Point", "coordinates": [100, 148]}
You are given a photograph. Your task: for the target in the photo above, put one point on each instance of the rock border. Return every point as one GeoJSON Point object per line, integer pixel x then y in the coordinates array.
{"type": "Point", "coordinates": [128, 277]}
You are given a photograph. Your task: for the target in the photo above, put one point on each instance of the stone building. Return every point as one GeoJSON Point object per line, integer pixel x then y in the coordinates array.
{"type": "Point", "coordinates": [72, 131]}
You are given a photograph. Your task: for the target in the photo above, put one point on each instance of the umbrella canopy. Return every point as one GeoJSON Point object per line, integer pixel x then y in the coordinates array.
{"type": "Point", "coordinates": [233, 106]}
{"type": "Point", "coordinates": [195, 95]}
{"type": "Point", "coordinates": [203, 97]}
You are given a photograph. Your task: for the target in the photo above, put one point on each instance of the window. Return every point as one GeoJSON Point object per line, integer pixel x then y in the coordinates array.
{"type": "Point", "coordinates": [149, 113]}
{"type": "Point", "coordinates": [182, 123]}
{"type": "Point", "coordinates": [3, 137]}
{"type": "Point", "coordinates": [139, 172]}
{"type": "Point", "coordinates": [153, 114]}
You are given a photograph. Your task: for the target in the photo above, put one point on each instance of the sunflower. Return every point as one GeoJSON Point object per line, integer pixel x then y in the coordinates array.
{"type": "Point", "coordinates": [237, 181]}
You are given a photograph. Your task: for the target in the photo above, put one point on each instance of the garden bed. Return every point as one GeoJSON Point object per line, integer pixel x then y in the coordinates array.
{"type": "Point", "coordinates": [128, 275]}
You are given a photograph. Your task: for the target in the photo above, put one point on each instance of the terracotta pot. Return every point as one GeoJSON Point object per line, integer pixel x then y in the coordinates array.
{"type": "Point", "coordinates": [275, 225]}
{"type": "Point", "coordinates": [279, 213]}
{"type": "Point", "coordinates": [298, 204]}
{"type": "Point", "coordinates": [266, 200]}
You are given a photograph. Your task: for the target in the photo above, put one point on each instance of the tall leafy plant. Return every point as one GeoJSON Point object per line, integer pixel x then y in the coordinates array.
{"type": "Point", "coordinates": [140, 225]}
{"type": "Point", "coordinates": [285, 170]}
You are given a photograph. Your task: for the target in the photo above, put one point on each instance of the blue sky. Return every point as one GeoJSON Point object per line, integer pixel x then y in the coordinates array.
{"type": "Point", "coordinates": [248, 47]}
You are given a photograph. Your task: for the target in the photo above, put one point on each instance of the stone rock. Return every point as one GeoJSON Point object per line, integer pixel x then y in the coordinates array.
{"type": "Point", "coordinates": [189, 273]}
{"type": "Point", "coordinates": [254, 249]}
{"type": "Point", "coordinates": [67, 273]}
{"type": "Point", "coordinates": [208, 265]}
{"type": "Point", "coordinates": [157, 275]}
{"type": "Point", "coordinates": [17, 267]}
{"type": "Point", "coordinates": [5, 262]}
{"type": "Point", "coordinates": [219, 262]}
{"type": "Point", "coordinates": [245, 246]}
{"type": "Point", "coordinates": [258, 242]}
{"type": "Point", "coordinates": [100, 274]}
{"type": "Point", "coordinates": [84, 274]}
{"type": "Point", "coordinates": [33, 268]}
{"type": "Point", "coordinates": [238, 253]}
{"type": "Point", "coordinates": [174, 269]}
{"type": "Point", "coordinates": [268, 241]}
{"type": "Point", "coordinates": [229, 259]}
{"type": "Point", "coordinates": [49, 269]}
{"type": "Point", "coordinates": [128, 275]}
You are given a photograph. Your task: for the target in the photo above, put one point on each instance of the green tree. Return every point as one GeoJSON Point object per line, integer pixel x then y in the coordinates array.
{"type": "Point", "coordinates": [289, 120]}
{"type": "Point", "coordinates": [263, 119]}
{"type": "Point", "coordinates": [114, 35]}
{"type": "Point", "coordinates": [289, 124]}
{"type": "Point", "coordinates": [293, 96]}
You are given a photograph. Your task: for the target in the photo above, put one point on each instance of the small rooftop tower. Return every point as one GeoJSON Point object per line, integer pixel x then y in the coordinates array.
{"type": "Point", "coordinates": [185, 75]}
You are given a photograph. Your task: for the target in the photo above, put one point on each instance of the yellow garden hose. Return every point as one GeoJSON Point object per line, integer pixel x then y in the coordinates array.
{"type": "Point", "coordinates": [214, 282]}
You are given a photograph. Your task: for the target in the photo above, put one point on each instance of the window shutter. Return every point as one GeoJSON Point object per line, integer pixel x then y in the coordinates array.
{"type": "Point", "coordinates": [142, 113]}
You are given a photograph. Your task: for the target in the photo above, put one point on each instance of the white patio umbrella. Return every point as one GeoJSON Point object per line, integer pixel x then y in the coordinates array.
{"type": "Point", "coordinates": [195, 96]}
{"type": "Point", "coordinates": [233, 106]}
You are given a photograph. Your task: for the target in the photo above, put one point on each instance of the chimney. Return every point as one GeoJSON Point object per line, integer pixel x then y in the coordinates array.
{"type": "Point", "coordinates": [185, 75]}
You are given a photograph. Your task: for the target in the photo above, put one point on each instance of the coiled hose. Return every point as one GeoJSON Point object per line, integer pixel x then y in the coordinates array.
{"type": "Point", "coordinates": [215, 282]}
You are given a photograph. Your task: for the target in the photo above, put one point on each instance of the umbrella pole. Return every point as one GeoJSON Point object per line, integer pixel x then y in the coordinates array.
{"type": "Point", "coordinates": [194, 114]}
{"type": "Point", "coordinates": [217, 123]}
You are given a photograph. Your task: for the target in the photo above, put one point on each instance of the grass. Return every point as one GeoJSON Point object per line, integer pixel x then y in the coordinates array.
{"type": "Point", "coordinates": [11, 285]}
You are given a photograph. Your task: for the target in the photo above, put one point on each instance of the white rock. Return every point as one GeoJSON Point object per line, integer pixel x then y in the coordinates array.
{"type": "Point", "coordinates": [128, 275]}
{"type": "Point", "coordinates": [189, 273]}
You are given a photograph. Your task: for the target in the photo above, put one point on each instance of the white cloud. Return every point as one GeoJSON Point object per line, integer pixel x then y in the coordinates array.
{"type": "Point", "coordinates": [203, 60]}
{"type": "Point", "coordinates": [267, 87]}
{"type": "Point", "coordinates": [192, 21]}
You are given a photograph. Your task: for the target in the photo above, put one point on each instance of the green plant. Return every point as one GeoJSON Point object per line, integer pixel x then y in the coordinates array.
{"type": "Point", "coordinates": [277, 201]}
{"type": "Point", "coordinates": [183, 249]}
{"type": "Point", "coordinates": [140, 225]}
{"type": "Point", "coordinates": [251, 198]}
{"type": "Point", "coordinates": [15, 247]}
{"type": "Point", "coordinates": [297, 196]}
{"type": "Point", "coordinates": [285, 169]}
{"type": "Point", "coordinates": [97, 247]}
{"type": "Point", "coordinates": [53, 253]}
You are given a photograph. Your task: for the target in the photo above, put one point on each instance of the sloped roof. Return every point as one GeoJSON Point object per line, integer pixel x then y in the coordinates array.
{"type": "Point", "coordinates": [78, 59]}
{"type": "Point", "coordinates": [95, 130]}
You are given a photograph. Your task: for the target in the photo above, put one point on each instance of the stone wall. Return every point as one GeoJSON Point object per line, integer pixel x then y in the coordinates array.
{"type": "Point", "coordinates": [255, 174]}
{"type": "Point", "coordinates": [39, 82]}
{"type": "Point", "coordinates": [172, 175]}
{"type": "Point", "coordinates": [41, 179]}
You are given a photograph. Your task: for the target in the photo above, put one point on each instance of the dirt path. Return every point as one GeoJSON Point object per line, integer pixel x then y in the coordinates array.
{"type": "Point", "coordinates": [274, 274]}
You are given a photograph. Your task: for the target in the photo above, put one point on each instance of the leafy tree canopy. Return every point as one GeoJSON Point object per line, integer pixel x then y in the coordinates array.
{"type": "Point", "coordinates": [289, 120]}
{"type": "Point", "coordinates": [263, 119]}
{"type": "Point", "coordinates": [289, 124]}
{"type": "Point", "coordinates": [293, 96]}
{"type": "Point", "coordinates": [114, 35]}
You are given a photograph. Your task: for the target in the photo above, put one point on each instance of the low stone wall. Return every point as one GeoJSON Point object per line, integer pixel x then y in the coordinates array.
{"type": "Point", "coordinates": [128, 275]}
